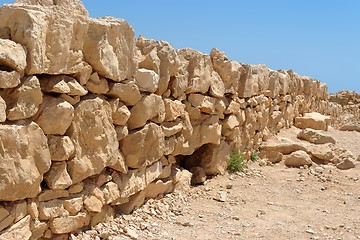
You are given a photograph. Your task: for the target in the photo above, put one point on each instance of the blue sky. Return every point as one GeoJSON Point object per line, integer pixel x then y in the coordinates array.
{"type": "Point", "coordinates": [317, 38]}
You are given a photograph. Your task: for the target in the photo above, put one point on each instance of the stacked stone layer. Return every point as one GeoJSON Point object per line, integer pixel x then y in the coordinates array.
{"type": "Point", "coordinates": [94, 121]}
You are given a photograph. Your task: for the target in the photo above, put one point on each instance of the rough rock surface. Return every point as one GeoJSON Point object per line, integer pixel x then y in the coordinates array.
{"type": "Point", "coordinates": [297, 159]}
{"type": "Point", "coordinates": [315, 137]}
{"type": "Point", "coordinates": [313, 120]}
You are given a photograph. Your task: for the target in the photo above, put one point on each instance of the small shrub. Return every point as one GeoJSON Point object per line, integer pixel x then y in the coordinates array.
{"type": "Point", "coordinates": [236, 162]}
{"type": "Point", "coordinates": [254, 156]}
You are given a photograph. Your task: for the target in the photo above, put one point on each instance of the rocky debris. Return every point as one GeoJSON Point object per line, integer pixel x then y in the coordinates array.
{"type": "Point", "coordinates": [313, 120]}
{"type": "Point", "coordinates": [313, 136]}
{"type": "Point", "coordinates": [297, 159]}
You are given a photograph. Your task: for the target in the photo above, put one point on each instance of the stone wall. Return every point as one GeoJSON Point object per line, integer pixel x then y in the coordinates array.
{"type": "Point", "coordinates": [94, 121]}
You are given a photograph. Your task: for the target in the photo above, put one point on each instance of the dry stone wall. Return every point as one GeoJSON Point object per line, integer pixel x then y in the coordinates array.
{"type": "Point", "coordinates": [94, 121]}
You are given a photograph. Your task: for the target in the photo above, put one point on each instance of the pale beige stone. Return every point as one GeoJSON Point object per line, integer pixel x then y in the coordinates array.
{"type": "Point", "coordinates": [24, 101]}
{"type": "Point", "coordinates": [19, 211]}
{"type": "Point", "coordinates": [147, 80]}
{"type": "Point", "coordinates": [128, 93]}
{"type": "Point", "coordinates": [12, 54]}
{"type": "Point", "coordinates": [206, 104]}
{"type": "Point", "coordinates": [182, 180]}
{"type": "Point", "coordinates": [9, 79]}
{"type": "Point", "coordinates": [120, 113]}
{"type": "Point", "coordinates": [148, 108]}
{"type": "Point", "coordinates": [271, 156]}
{"type": "Point", "coordinates": [58, 177]}
{"type": "Point", "coordinates": [2, 110]}
{"type": "Point", "coordinates": [171, 128]}
{"type": "Point", "coordinates": [106, 215]}
{"type": "Point", "coordinates": [316, 137]}
{"type": "Point", "coordinates": [231, 122]}
{"type": "Point", "coordinates": [20, 230]}
{"type": "Point", "coordinates": [283, 145]}
{"type": "Point", "coordinates": [152, 172]}
{"type": "Point", "coordinates": [160, 57]}
{"type": "Point", "coordinates": [52, 35]}
{"type": "Point", "coordinates": [121, 132]}
{"type": "Point", "coordinates": [3, 213]}
{"type": "Point", "coordinates": [83, 76]}
{"type": "Point", "coordinates": [76, 188]}
{"type": "Point", "coordinates": [233, 107]}
{"type": "Point", "coordinates": [97, 147]}
{"type": "Point", "coordinates": [151, 141]}
{"type": "Point", "coordinates": [215, 158]}
{"type": "Point", "coordinates": [6, 222]}
{"type": "Point", "coordinates": [254, 80]}
{"type": "Point", "coordinates": [96, 84]}
{"type": "Point", "coordinates": [135, 201]}
{"type": "Point", "coordinates": [32, 209]}
{"type": "Point", "coordinates": [350, 127]}
{"type": "Point", "coordinates": [157, 188]}
{"type": "Point", "coordinates": [297, 159]}
{"type": "Point", "coordinates": [51, 209]}
{"type": "Point", "coordinates": [313, 120]}
{"type": "Point", "coordinates": [37, 229]}
{"type": "Point", "coordinates": [110, 48]}
{"type": "Point", "coordinates": [48, 195]}
{"type": "Point", "coordinates": [173, 109]}
{"type": "Point", "coordinates": [73, 100]}
{"type": "Point", "coordinates": [69, 224]}
{"type": "Point", "coordinates": [92, 204]}
{"type": "Point", "coordinates": [111, 192]}
{"type": "Point", "coordinates": [74, 204]}
{"type": "Point", "coordinates": [24, 158]}
{"type": "Point", "coordinates": [55, 115]}
{"type": "Point", "coordinates": [62, 84]}
{"type": "Point", "coordinates": [61, 147]}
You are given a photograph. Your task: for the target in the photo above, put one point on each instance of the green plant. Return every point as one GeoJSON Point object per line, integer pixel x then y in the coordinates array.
{"type": "Point", "coordinates": [254, 156]}
{"type": "Point", "coordinates": [236, 162]}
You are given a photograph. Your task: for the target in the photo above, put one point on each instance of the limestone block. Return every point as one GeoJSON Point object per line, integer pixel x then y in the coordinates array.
{"type": "Point", "coordinates": [254, 80]}
{"type": "Point", "coordinates": [37, 229]}
{"type": "Point", "coordinates": [128, 93]}
{"type": "Point", "coordinates": [83, 76]}
{"type": "Point", "coordinates": [20, 230]}
{"type": "Point", "coordinates": [229, 71]}
{"type": "Point", "coordinates": [217, 88]}
{"type": "Point", "coordinates": [199, 68]}
{"type": "Point", "coordinates": [58, 177]}
{"type": "Point", "coordinates": [62, 84]}
{"type": "Point", "coordinates": [171, 128]}
{"type": "Point", "coordinates": [97, 85]}
{"type": "Point", "coordinates": [147, 80]}
{"type": "Point", "coordinates": [69, 224]}
{"type": "Point", "coordinates": [206, 104]}
{"type": "Point", "coordinates": [173, 109]}
{"type": "Point", "coordinates": [106, 215]}
{"type": "Point", "coordinates": [121, 132]}
{"type": "Point", "coordinates": [297, 159]}
{"type": "Point", "coordinates": [131, 182]}
{"type": "Point", "coordinates": [150, 107]}
{"type": "Point", "coordinates": [135, 201]}
{"type": "Point", "coordinates": [271, 156]}
{"type": "Point", "coordinates": [283, 145]}
{"type": "Point", "coordinates": [12, 55]}
{"type": "Point", "coordinates": [111, 192]}
{"type": "Point", "coordinates": [97, 147]}
{"type": "Point", "coordinates": [50, 194]}
{"type": "Point", "coordinates": [120, 113]}
{"type": "Point", "coordinates": [313, 120]}
{"type": "Point", "coordinates": [24, 158]}
{"type": "Point", "coordinates": [24, 101]}
{"type": "Point", "coordinates": [92, 204]}
{"type": "Point", "coordinates": [63, 24]}
{"type": "Point", "coordinates": [231, 122]}
{"type": "Point", "coordinates": [51, 209]}
{"type": "Point", "coordinates": [73, 204]}
{"type": "Point", "coordinates": [316, 137]}
{"type": "Point", "coordinates": [61, 147]}
{"type": "Point", "coordinates": [110, 48]}
{"type": "Point", "coordinates": [2, 110]}
{"type": "Point", "coordinates": [151, 141]}
{"type": "Point", "coordinates": [215, 158]}
{"type": "Point", "coordinates": [157, 188]}
{"type": "Point", "coordinates": [55, 115]}
{"type": "Point", "coordinates": [160, 57]}
{"type": "Point", "coordinates": [19, 211]}
{"type": "Point", "coordinates": [9, 79]}
{"type": "Point", "coordinates": [6, 219]}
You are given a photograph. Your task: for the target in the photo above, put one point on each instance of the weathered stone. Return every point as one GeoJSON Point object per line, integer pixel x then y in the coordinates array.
{"type": "Point", "coordinates": [92, 204]}
{"type": "Point", "coordinates": [62, 84]}
{"type": "Point", "coordinates": [32, 209]}
{"type": "Point", "coordinates": [171, 128]}
{"type": "Point", "coordinates": [73, 205]}
{"type": "Point", "coordinates": [271, 156]}
{"type": "Point", "coordinates": [111, 192]}
{"type": "Point", "coordinates": [37, 229]}
{"type": "Point", "coordinates": [110, 48]}
{"type": "Point", "coordinates": [313, 120]}
{"type": "Point", "coordinates": [120, 113]}
{"type": "Point", "coordinates": [93, 154]}
{"type": "Point", "coordinates": [121, 132]}
{"type": "Point", "coordinates": [127, 92]}
{"type": "Point", "coordinates": [315, 137]}
{"type": "Point", "coordinates": [49, 23]}
{"type": "Point", "coordinates": [150, 140]}
{"type": "Point", "coordinates": [61, 147]}
{"type": "Point", "coordinates": [173, 109]}
{"type": "Point", "coordinates": [229, 71]}
{"type": "Point", "coordinates": [157, 188]}
{"type": "Point", "coordinates": [51, 209]}
{"type": "Point", "coordinates": [198, 175]}
{"type": "Point", "coordinates": [297, 159]}
{"type": "Point", "coordinates": [147, 80]}
{"type": "Point", "coordinates": [69, 224]}
{"type": "Point", "coordinates": [283, 145]}
{"type": "Point", "coordinates": [73, 100]}
{"type": "Point", "coordinates": [231, 122]}
{"type": "Point", "coordinates": [23, 102]}
{"type": "Point", "coordinates": [55, 115]}
{"type": "Point", "coordinates": [58, 177]}
{"type": "Point", "coordinates": [6, 219]}
{"type": "Point", "coordinates": [217, 88]}
{"type": "Point", "coordinates": [160, 57]}
{"type": "Point", "coordinates": [20, 230]}
{"type": "Point", "coordinates": [182, 180]}
{"type": "Point", "coordinates": [25, 157]}
{"type": "Point", "coordinates": [345, 164]}
{"type": "Point", "coordinates": [148, 108]}
{"type": "Point", "coordinates": [83, 76]}
{"type": "Point", "coordinates": [135, 201]}
{"type": "Point", "coordinates": [19, 211]}
{"type": "Point", "coordinates": [97, 85]}
{"type": "Point", "coordinates": [350, 127]}
{"type": "Point", "coordinates": [254, 80]}
{"type": "Point", "coordinates": [215, 158]}
{"type": "Point", "coordinates": [48, 195]}
{"type": "Point", "coordinates": [206, 104]}
{"type": "Point", "coordinates": [106, 215]}
{"type": "Point", "coordinates": [9, 79]}
{"type": "Point", "coordinates": [12, 55]}
{"type": "Point", "coordinates": [2, 110]}
{"type": "Point", "coordinates": [76, 188]}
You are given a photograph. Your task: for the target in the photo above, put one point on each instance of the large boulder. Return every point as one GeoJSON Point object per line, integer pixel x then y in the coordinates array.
{"type": "Point", "coordinates": [297, 159]}
{"type": "Point", "coordinates": [97, 147]}
{"type": "Point", "coordinates": [110, 48]}
{"type": "Point", "coordinates": [53, 33]}
{"type": "Point", "coordinates": [12, 55]}
{"type": "Point", "coordinates": [313, 120]}
{"type": "Point", "coordinates": [24, 158]}
{"type": "Point", "coordinates": [316, 137]}
{"type": "Point", "coordinates": [9, 79]}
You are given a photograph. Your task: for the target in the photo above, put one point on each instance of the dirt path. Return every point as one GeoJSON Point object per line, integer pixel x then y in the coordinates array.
{"type": "Point", "coordinates": [271, 202]}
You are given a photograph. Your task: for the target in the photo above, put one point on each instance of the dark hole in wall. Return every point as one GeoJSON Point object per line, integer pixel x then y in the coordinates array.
{"type": "Point", "coordinates": [193, 160]}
